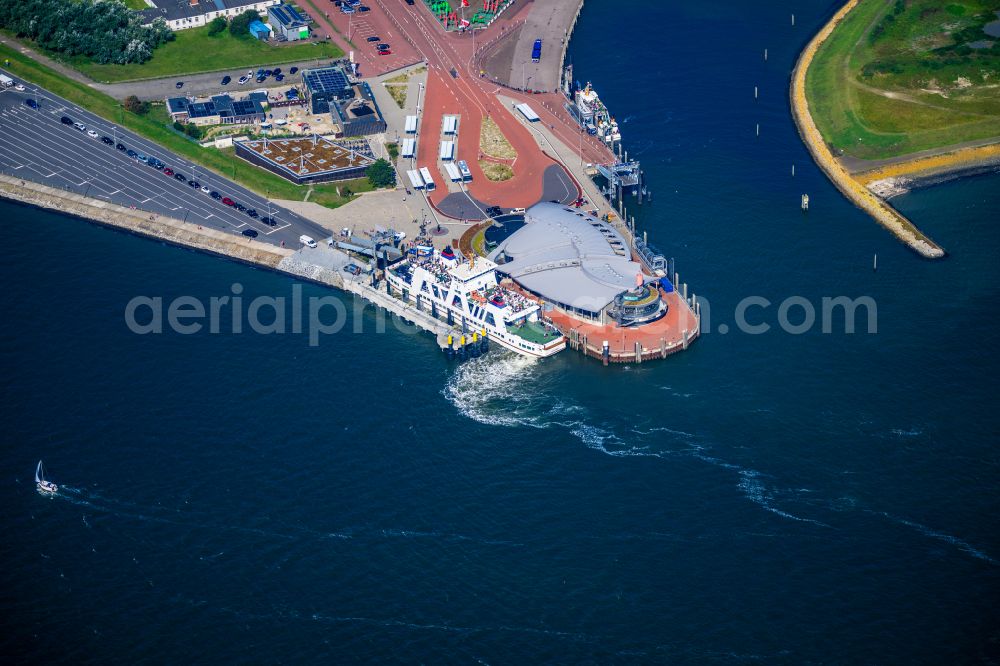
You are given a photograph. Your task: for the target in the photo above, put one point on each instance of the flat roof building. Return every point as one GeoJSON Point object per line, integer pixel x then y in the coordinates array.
{"type": "Point", "coordinates": [325, 84]}
{"type": "Point", "coordinates": [217, 110]}
{"type": "Point", "coordinates": [447, 151]}
{"type": "Point", "coordinates": [260, 30]}
{"type": "Point", "coordinates": [312, 159]}
{"type": "Point", "coordinates": [359, 115]}
{"type": "Point", "coordinates": [288, 23]}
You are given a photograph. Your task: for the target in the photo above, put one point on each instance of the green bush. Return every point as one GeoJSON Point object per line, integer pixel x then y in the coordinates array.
{"type": "Point", "coordinates": [381, 174]}
{"type": "Point", "coordinates": [134, 105]}
{"type": "Point", "coordinates": [240, 26]}
{"type": "Point", "coordinates": [217, 25]}
{"type": "Point", "coordinates": [105, 32]}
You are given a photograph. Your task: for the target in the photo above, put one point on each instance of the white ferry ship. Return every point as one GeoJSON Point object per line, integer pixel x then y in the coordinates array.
{"type": "Point", "coordinates": [467, 294]}
{"type": "Point", "coordinates": [591, 113]}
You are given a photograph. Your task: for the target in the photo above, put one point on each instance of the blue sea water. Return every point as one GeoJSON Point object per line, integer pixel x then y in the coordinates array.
{"type": "Point", "coordinates": [773, 498]}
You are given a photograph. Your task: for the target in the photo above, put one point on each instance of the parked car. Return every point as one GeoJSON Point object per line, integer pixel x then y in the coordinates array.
{"type": "Point", "coordinates": [244, 79]}
{"type": "Point", "coordinates": [19, 87]}
{"type": "Point", "coordinates": [228, 201]}
{"type": "Point", "coordinates": [373, 38]}
{"type": "Point", "coordinates": [132, 154]}
{"type": "Point", "coordinates": [253, 213]}
{"type": "Point", "coordinates": [353, 269]}
{"type": "Point", "coordinates": [362, 9]}
{"type": "Point", "coordinates": [384, 52]}
{"type": "Point", "coordinates": [205, 190]}
{"type": "Point", "coordinates": [92, 134]}
{"type": "Point", "coordinates": [80, 126]}
{"type": "Point", "coordinates": [269, 221]}
{"type": "Point", "coordinates": [195, 184]}
{"type": "Point", "coordinates": [66, 120]}
{"type": "Point", "coordinates": [293, 70]}
{"type": "Point", "coordinates": [179, 85]}
{"type": "Point", "coordinates": [307, 241]}
{"type": "Point", "coordinates": [215, 195]}
{"type": "Point", "coordinates": [277, 70]}
{"type": "Point", "coordinates": [383, 47]}
{"type": "Point", "coordinates": [168, 172]}
{"type": "Point", "coordinates": [181, 177]}
{"type": "Point", "coordinates": [279, 77]}
{"type": "Point", "coordinates": [226, 79]}
{"type": "Point", "coordinates": [240, 207]}
{"type": "Point", "coordinates": [107, 140]}
{"type": "Point", "coordinates": [250, 233]}
{"type": "Point", "coordinates": [120, 146]}
{"type": "Point", "coordinates": [31, 103]}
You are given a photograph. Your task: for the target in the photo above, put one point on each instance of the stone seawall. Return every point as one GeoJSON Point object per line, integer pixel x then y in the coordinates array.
{"type": "Point", "coordinates": [143, 223]}
{"type": "Point", "coordinates": [883, 213]}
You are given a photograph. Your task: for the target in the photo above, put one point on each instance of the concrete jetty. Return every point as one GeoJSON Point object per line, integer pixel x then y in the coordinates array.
{"type": "Point", "coordinates": [510, 60]}
{"type": "Point", "coordinates": [323, 265]}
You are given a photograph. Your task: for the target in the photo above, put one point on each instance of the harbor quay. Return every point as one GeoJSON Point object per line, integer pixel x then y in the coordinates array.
{"type": "Point", "coordinates": [546, 260]}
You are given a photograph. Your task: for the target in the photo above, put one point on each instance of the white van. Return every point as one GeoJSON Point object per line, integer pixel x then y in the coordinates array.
{"type": "Point", "coordinates": [517, 211]}
{"type": "Point", "coordinates": [307, 241]}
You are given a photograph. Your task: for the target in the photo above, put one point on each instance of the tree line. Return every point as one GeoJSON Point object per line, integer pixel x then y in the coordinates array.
{"type": "Point", "coordinates": [105, 32]}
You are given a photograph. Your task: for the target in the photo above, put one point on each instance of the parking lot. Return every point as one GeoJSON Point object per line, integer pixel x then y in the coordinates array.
{"type": "Point", "coordinates": [37, 146]}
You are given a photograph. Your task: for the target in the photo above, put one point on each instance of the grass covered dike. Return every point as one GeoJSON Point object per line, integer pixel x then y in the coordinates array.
{"type": "Point", "coordinates": [899, 76]}
{"type": "Point", "coordinates": [222, 162]}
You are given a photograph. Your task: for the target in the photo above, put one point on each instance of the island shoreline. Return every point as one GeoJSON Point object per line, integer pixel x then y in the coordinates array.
{"type": "Point", "coordinates": [858, 194]}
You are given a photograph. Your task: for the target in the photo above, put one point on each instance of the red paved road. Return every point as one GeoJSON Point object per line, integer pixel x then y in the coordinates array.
{"type": "Point", "coordinates": [414, 34]}
{"type": "Point", "coordinates": [472, 98]}
{"type": "Point", "coordinates": [352, 31]}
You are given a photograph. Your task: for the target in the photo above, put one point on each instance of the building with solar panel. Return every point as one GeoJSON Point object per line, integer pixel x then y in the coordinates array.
{"type": "Point", "coordinates": [218, 110]}
{"type": "Point", "coordinates": [288, 23]}
{"type": "Point", "coordinates": [352, 106]}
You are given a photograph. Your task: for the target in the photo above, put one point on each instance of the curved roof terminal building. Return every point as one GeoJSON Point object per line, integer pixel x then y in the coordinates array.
{"type": "Point", "coordinates": [581, 265]}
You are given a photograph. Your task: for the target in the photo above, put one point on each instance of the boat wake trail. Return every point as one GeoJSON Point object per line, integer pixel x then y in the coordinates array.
{"type": "Point", "coordinates": [755, 491]}
{"type": "Point", "coordinates": [505, 390]}
{"type": "Point", "coordinates": [940, 536]}
{"type": "Point", "coordinates": [191, 518]}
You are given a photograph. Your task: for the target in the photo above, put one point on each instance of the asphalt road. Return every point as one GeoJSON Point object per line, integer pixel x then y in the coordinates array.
{"type": "Point", "coordinates": [36, 146]}
{"type": "Point", "coordinates": [198, 85]}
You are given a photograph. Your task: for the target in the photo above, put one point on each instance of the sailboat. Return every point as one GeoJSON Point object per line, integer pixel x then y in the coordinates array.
{"type": "Point", "coordinates": [43, 485]}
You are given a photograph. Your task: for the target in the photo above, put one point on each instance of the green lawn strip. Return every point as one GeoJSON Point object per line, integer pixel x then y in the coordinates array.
{"type": "Point", "coordinates": [136, 4]}
{"type": "Point", "coordinates": [222, 162]}
{"type": "Point", "coordinates": [194, 51]}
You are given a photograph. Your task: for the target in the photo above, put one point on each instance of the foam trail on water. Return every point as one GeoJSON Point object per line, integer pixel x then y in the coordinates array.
{"type": "Point", "coordinates": [940, 536]}
{"type": "Point", "coordinates": [503, 389]}
{"type": "Point", "coordinates": [490, 389]}
{"type": "Point", "coordinates": [753, 488]}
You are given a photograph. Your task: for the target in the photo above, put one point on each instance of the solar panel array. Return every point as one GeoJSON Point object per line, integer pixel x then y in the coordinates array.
{"type": "Point", "coordinates": [326, 80]}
